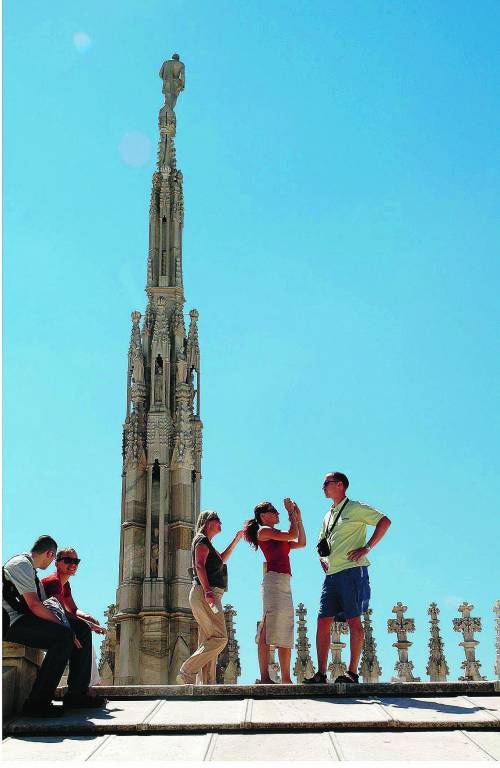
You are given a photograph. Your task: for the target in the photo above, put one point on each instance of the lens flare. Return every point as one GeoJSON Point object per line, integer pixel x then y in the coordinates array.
{"type": "Point", "coordinates": [135, 149]}
{"type": "Point", "coordinates": [82, 41]}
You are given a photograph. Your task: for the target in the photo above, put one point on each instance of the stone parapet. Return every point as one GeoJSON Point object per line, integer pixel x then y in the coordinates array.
{"type": "Point", "coordinates": [20, 665]}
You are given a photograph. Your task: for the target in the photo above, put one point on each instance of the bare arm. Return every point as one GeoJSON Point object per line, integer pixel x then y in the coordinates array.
{"type": "Point", "coordinates": [301, 540]}
{"type": "Point", "coordinates": [228, 551]}
{"type": "Point", "coordinates": [379, 532]}
{"type": "Point", "coordinates": [93, 623]}
{"type": "Point", "coordinates": [265, 534]}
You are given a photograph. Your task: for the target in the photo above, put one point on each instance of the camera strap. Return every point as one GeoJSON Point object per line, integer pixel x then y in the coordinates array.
{"type": "Point", "coordinates": [329, 532]}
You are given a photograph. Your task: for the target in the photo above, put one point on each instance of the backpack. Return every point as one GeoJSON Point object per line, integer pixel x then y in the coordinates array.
{"type": "Point", "coordinates": [16, 601]}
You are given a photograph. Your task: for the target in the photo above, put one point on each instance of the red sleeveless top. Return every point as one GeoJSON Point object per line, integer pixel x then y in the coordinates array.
{"type": "Point", "coordinates": [276, 554]}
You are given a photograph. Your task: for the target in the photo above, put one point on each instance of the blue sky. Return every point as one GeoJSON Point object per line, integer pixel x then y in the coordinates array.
{"type": "Point", "coordinates": [342, 186]}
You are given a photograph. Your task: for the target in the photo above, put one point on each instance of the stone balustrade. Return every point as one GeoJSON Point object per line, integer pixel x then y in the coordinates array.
{"type": "Point", "coordinates": [370, 670]}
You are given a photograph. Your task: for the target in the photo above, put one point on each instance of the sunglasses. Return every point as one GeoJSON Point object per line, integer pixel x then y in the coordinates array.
{"type": "Point", "coordinates": [69, 560]}
{"type": "Point", "coordinates": [327, 482]}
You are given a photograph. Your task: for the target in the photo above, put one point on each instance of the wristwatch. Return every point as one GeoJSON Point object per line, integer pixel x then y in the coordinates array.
{"type": "Point", "coordinates": [367, 546]}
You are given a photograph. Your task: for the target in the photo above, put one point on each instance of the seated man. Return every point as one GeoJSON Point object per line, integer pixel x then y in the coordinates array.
{"type": "Point", "coordinates": [57, 585]}
{"type": "Point", "coordinates": [32, 624]}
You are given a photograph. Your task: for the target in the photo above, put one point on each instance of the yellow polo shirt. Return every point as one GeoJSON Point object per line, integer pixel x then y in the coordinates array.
{"type": "Point", "coordinates": [349, 533]}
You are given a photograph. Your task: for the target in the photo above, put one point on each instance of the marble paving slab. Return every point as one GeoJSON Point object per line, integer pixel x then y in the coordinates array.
{"type": "Point", "coordinates": [487, 740]}
{"type": "Point", "coordinates": [490, 703]}
{"type": "Point", "coordinates": [413, 745]}
{"type": "Point", "coordinates": [456, 712]}
{"type": "Point", "coordinates": [153, 747]}
{"type": "Point", "coordinates": [117, 716]}
{"type": "Point", "coordinates": [289, 747]}
{"type": "Point", "coordinates": [194, 713]}
{"type": "Point", "coordinates": [50, 748]}
{"type": "Point", "coordinates": [315, 713]}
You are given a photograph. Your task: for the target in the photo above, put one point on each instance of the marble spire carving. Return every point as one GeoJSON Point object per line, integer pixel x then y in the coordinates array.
{"type": "Point", "coordinates": [437, 668]}
{"type": "Point", "coordinates": [153, 626]}
{"type": "Point", "coordinates": [303, 663]}
{"type": "Point", "coordinates": [370, 669]}
{"type": "Point", "coordinates": [468, 625]}
{"type": "Point", "coordinates": [401, 626]}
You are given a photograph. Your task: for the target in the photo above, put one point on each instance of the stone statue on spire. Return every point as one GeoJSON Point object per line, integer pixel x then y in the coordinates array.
{"type": "Point", "coordinates": [172, 73]}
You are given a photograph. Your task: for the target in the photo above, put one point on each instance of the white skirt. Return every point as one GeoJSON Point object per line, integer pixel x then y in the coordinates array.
{"type": "Point", "coordinates": [277, 609]}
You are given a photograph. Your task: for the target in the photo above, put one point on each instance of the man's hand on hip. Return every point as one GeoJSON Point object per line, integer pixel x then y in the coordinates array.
{"type": "Point", "coordinates": [357, 554]}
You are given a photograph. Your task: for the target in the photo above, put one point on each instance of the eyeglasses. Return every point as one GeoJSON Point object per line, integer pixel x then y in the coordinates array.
{"type": "Point", "coordinates": [327, 482]}
{"type": "Point", "coordinates": [69, 560]}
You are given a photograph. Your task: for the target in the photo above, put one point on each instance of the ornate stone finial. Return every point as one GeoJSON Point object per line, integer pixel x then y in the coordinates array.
{"type": "Point", "coordinates": [337, 666]}
{"type": "Point", "coordinates": [136, 382]}
{"type": "Point", "coordinates": [370, 668]}
{"type": "Point", "coordinates": [173, 74]}
{"type": "Point", "coordinates": [437, 668]}
{"type": "Point", "coordinates": [468, 624]}
{"type": "Point", "coordinates": [107, 660]}
{"type": "Point", "coordinates": [303, 663]}
{"type": "Point", "coordinates": [228, 664]}
{"type": "Point", "coordinates": [193, 347]}
{"type": "Point", "coordinates": [273, 666]}
{"type": "Point", "coordinates": [401, 626]}
{"type": "Point", "coordinates": [496, 611]}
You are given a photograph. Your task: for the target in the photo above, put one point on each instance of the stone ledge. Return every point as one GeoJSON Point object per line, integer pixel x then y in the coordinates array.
{"type": "Point", "coordinates": [364, 690]}
{"type": "Point", "coordinates": [202, 715]}
{"type": "Point", "coordinates": [18, 651]}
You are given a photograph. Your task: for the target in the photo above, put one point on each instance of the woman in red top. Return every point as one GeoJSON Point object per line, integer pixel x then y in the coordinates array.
{"type": "Point", "coordinates": [276, 626]}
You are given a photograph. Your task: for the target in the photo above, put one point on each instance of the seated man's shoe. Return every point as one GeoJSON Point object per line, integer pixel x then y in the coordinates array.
{"type": "Point", "coordinates": [349, 678]}
{"type": "Point", "coordinates": [319, 678]}
{"type": "Point", "coordinates": [83, 701]}
{"type": "Point", "coordinates": [41, 709]}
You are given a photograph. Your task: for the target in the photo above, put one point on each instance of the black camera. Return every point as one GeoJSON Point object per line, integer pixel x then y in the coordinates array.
{"type": "Point", "coordinates": [323, 547]}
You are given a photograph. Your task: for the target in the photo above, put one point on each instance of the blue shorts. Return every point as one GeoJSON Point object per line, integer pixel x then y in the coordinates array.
{"type": "Point", "coordinates": [345, 594]}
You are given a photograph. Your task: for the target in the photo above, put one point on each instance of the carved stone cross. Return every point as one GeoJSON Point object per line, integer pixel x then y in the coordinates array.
{"type": "Point", "coordinates": [468, 625]}
{"type": "Point", "coordinates": [401, 626]}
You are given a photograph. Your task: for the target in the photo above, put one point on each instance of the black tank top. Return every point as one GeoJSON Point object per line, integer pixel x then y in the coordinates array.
{"type": "Point", "coordinates": [215, 568]}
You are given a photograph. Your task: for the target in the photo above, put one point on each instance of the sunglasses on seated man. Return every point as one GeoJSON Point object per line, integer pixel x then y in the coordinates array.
{"type": "Point", "coordinates": [69, 560]}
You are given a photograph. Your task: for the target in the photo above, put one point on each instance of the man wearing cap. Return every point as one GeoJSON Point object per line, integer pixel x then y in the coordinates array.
{"type": "Point", "coordinates": [342, 547]}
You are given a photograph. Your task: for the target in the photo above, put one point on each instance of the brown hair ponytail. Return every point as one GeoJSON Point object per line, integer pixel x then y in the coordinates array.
{"type": "Point", "coordinates": [251, 527]}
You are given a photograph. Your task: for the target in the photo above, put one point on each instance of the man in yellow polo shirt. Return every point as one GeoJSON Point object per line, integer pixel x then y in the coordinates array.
{"type": "Point", "coordinates": [342, 547]}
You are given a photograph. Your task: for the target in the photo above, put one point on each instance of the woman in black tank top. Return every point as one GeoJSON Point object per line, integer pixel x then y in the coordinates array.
{"type": "Point", "coordinates": [209, 574]}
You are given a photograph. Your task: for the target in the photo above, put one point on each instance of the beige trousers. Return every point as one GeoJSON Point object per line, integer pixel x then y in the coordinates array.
{"type": "Point", "coordinates": [212, 637]}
